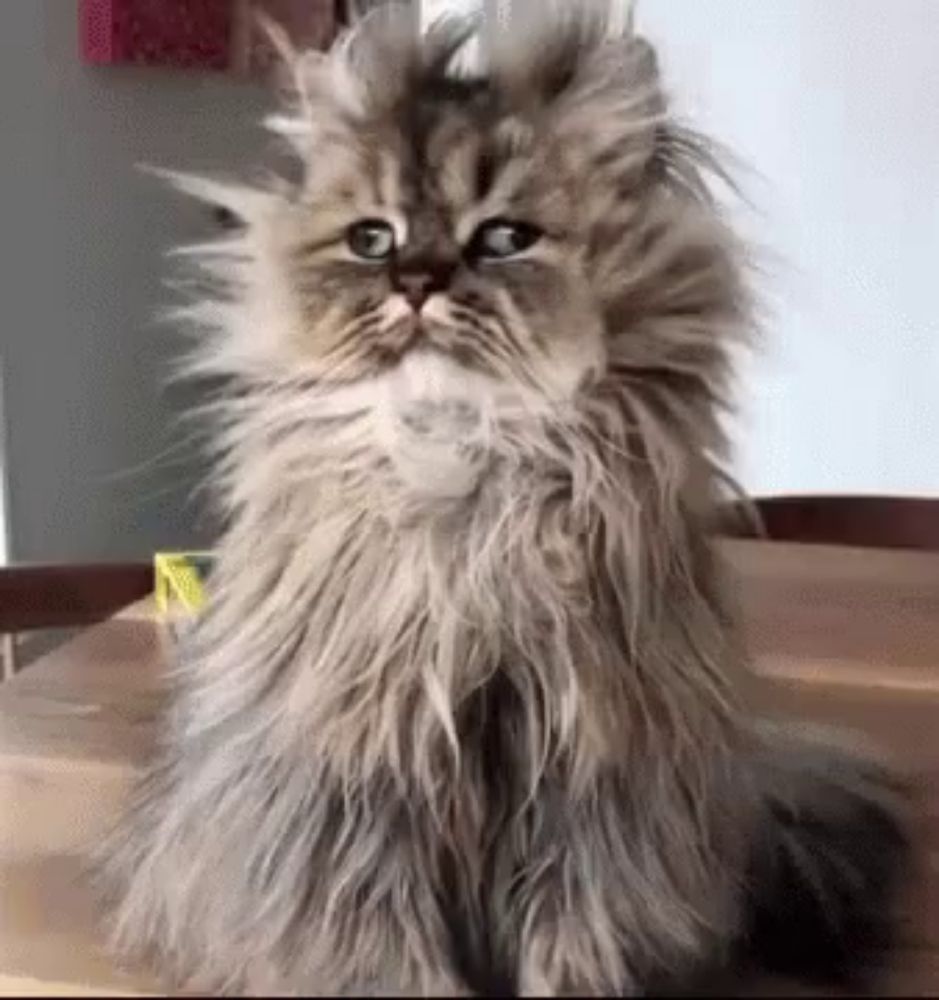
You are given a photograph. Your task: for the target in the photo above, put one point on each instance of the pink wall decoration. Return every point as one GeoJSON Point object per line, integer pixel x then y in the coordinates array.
{"type": "Point", "coordinates": [197, 34]}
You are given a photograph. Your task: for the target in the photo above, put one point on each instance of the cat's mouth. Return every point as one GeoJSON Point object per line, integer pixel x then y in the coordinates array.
{"type": "Point", "coordinates": [416, 334]}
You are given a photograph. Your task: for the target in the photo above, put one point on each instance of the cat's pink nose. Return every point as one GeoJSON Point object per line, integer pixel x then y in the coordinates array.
{"type": "Point", "coordinates": [417, 288]}
{"type": "Point", "coordinates": [421, 277]}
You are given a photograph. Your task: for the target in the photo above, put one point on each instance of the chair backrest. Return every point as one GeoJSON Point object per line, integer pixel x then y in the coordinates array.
{"type": "Point", "coordinates": [861, 521]}
{"type": "Point", "coordinates": [60, 596]}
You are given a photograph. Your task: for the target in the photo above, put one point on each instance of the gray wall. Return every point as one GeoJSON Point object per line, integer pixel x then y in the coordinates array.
{"type": "Point", "coordinates": [82, 238]}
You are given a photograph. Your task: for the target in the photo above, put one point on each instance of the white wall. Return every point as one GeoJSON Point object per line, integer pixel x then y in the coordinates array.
{"type": "Point", "coordinates": [82, 235]}
{"type": "Point", "coordinates": [836, 104]}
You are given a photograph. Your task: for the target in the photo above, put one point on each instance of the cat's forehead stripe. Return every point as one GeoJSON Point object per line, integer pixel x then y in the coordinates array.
{"type": "Point", "coordinates": [389, 186]}
{"type": "Point", "coordinates": [457, 164]}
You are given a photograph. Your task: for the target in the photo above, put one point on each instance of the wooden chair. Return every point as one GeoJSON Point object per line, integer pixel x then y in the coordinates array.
{"type": "Point", "coordinates": [34, 597]}
{"type": "Point", "coordinates": [860, 521]}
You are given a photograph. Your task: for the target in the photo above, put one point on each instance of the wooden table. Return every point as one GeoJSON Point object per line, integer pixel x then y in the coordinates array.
{"type": "Point", "coordinates": [839, 635]}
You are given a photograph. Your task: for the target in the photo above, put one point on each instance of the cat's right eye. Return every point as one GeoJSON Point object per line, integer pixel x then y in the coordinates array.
{"type": "Point", "coordinates": [497, 239]}
{"type": "Point", "coordinates": [371, 239]}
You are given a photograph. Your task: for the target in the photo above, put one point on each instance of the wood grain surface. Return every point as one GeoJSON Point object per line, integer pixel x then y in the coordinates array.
{"type": "Point", "coordinates": [839, 635]}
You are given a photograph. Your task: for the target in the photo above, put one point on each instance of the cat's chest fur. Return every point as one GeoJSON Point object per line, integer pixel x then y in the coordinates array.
{"type": "Point", "coordinates": [433, 420]}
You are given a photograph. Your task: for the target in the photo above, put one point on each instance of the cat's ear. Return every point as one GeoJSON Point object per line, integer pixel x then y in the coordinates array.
{"type": "Point", "coordinates": [600, 95]}
{"type": "Point", "coordinates": [316, 90]}
{"type": "Point", "coordinates": [614, 108]}
{"type": "Point", "coordinates": [375, 64]}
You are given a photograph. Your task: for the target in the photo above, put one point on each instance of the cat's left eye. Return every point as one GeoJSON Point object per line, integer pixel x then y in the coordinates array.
{"type": "Point", "coordinates": [371, 239]}
{"type": "Point", "coordinates": [500, 238]}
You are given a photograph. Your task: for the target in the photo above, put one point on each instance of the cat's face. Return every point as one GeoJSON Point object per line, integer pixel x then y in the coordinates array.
{"type": "Point", "coordinates": [451, 231]}
{"type": "Point", "coordinates": [465, 219]}
{"type": "Point", "coordinates": [446, 232]}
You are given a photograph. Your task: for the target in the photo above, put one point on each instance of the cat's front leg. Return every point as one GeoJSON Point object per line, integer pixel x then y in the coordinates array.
{"type": "Point", "coordinates": [374, 924]}
{"type": "Point", "coordinates": [249, 877]}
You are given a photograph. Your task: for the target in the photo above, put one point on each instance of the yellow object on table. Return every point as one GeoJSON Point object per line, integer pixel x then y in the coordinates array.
{"type": "Point", "coordinates": [180, 581]}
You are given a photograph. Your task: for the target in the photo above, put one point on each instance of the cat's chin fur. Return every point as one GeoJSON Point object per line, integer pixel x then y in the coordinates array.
{"type": "Point", "coordinates": [465, 711]}
{"type": "Point", "coordinates": [435, 418]}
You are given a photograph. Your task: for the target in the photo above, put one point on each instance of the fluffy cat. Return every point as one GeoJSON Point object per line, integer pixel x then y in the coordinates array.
{"type": "Point", "coordinates": [465, 712]}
